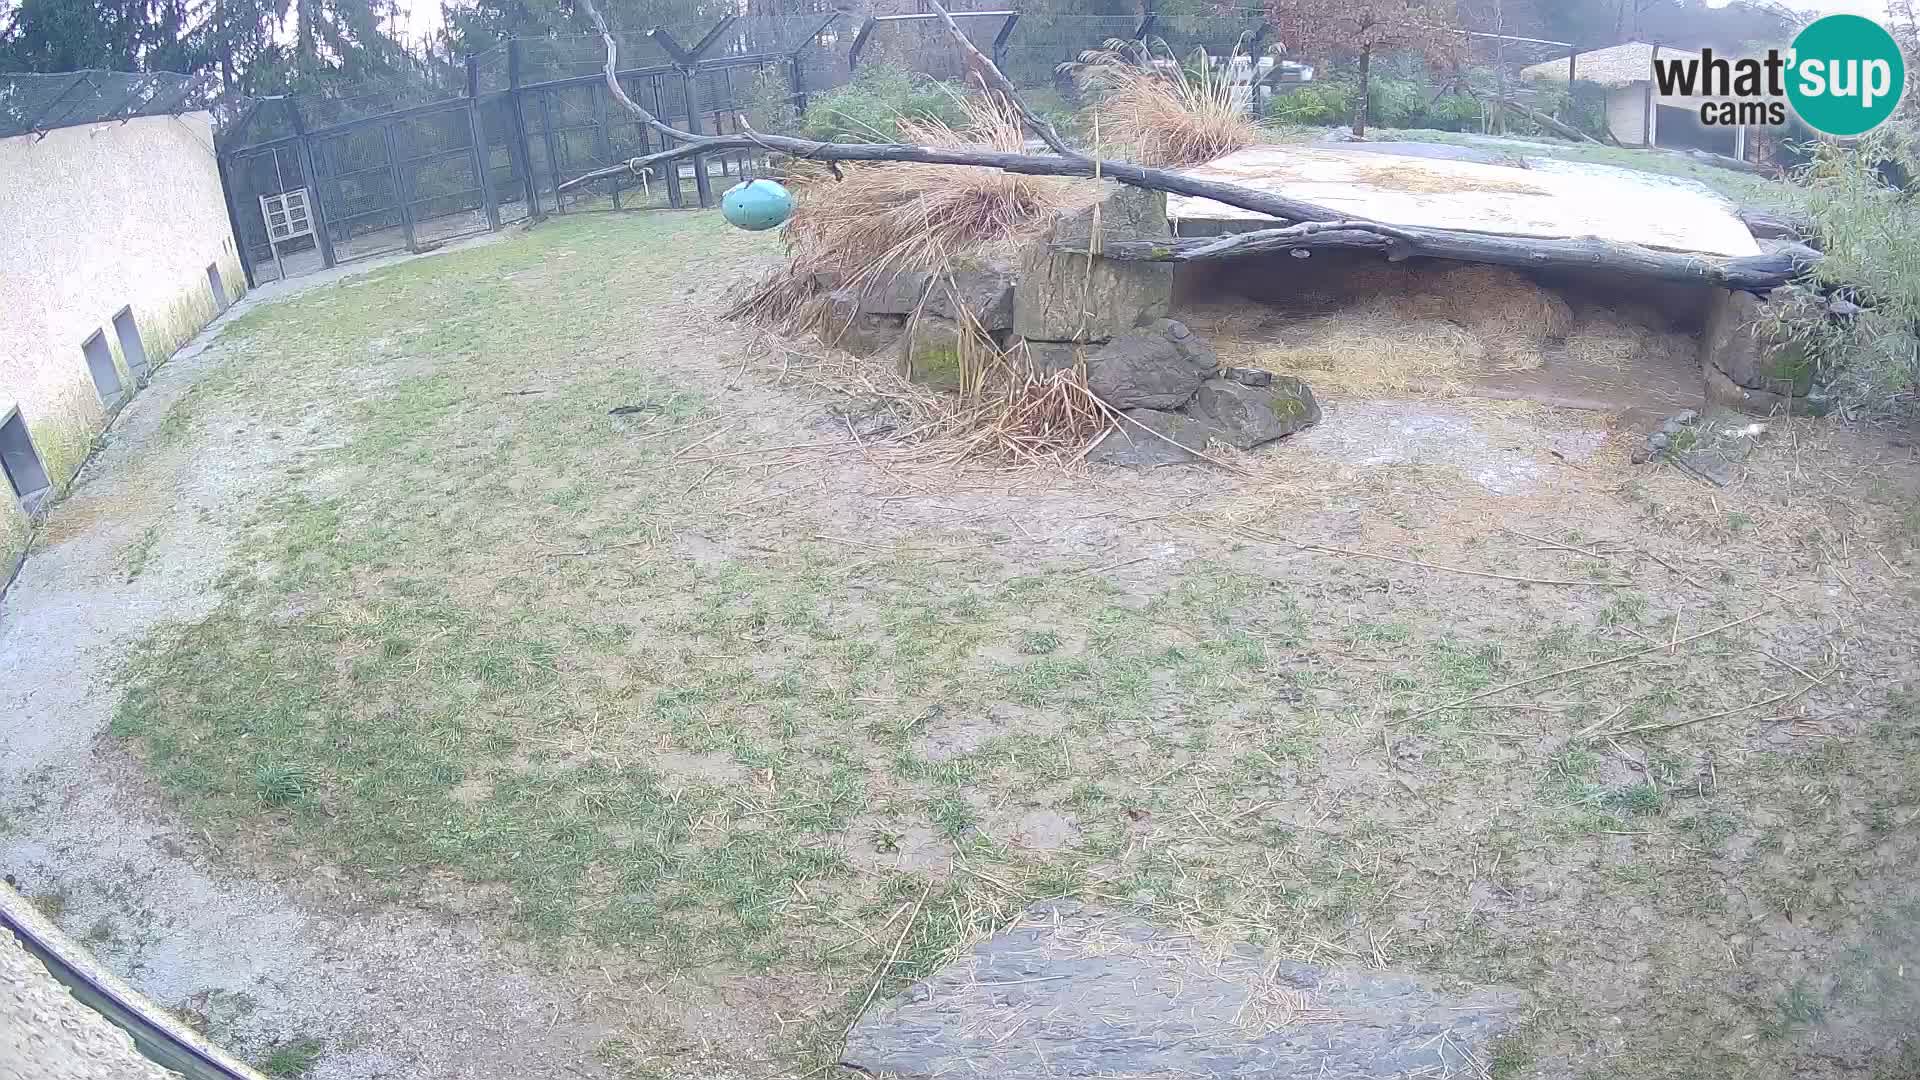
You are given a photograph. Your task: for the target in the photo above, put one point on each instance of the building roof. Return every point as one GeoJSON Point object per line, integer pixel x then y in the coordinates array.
{"type": "Point", "coordinates": [1615, 65]}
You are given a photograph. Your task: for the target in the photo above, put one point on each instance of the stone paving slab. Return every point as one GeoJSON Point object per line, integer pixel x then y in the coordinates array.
{"type": "Point", "coordinates": [1073, 990]}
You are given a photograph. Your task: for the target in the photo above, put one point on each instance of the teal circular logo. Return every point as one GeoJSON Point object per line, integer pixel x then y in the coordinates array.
{"type": "Point", "coordinates": [1846, 75]}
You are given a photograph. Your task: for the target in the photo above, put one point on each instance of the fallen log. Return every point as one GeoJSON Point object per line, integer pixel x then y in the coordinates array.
{"type": "Point", "coordinates": [1752, 273]}
{"type": "Point", "coordinates": [1567, 131]}
{"type": "Point", "coordinates": [1317, 226]}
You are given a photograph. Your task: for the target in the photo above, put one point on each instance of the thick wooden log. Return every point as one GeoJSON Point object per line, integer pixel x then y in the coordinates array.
{"type": "Point", "coordinates": [1313, 225]}
{"type": "Point", "coordinates": [1757, 273]}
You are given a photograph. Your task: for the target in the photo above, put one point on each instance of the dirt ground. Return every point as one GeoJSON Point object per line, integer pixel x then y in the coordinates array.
{"type": "Point", "coordinates": [495, 665]}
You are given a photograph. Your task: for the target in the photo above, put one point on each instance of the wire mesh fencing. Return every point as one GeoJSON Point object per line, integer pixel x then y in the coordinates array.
{"type": "Point", "coordinates": [315, 181]}
{"type": "Point", "coordinates": [37, 104]}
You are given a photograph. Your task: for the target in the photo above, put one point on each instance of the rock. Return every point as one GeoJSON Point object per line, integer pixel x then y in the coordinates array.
{"type": "Point", "coordinates": [1104, 994]}
{"type": "Point", "coordinates": [1722, 390]}
{"type": "Point", "coordinates": [1248, 376]}
{"type": "Point", "coordinates": [1736, 343]}
{"type": "Point", "coordinates": [897, 293]}
{"type": "Point", "coordinates": [1047, 357]}
{"type": "Point", "coordinates": [1713, 446]}
{"type": "Point", "coordinates": [1059, 299]}
{"type": "Point", "coordinates": [1128, 445]}
{"type": "Point", "coordinates": [1249, 415]}
{"type": "Point", "coordinates": [933, 352]}
{"type": "Point", "coordinates": [983, 289]}
{"type": "Point", "coordinates": [859, 332]}
{"type": "Point", "coordinates": [1158, 366]}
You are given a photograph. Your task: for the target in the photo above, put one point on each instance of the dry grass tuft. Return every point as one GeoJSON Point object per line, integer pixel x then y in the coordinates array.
{"type": "Point", "coordinates": [1170, 116]}
{"type": "Point", "coordinates": [1006, 412]}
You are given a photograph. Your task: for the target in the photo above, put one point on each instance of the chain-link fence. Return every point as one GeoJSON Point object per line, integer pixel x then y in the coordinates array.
{"type": "Point", "coordinates": [317, 181]}
{"type": "Point", "coordinates": [36, 104]}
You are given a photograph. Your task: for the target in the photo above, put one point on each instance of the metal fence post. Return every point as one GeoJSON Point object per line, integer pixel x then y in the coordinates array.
{"type": "Point", "coordinates": [482, 168]}
{"type": "Point", "coordinates": [400, 192]}
{"type": "Point", "coordinates": [520, 129]}
{"type": "Point", "coordinates": [702, 184]}
{"type": "Point", "coordinates": [1000, 41]}
{"type": "Point", "coordinates": [224, 163]}
{"type": "Point", "coordinates": [318, 203]}
{"type": "Point", "coordinates": [671, 170]}
{"type": "Point", "coordinates": [798, 77]}
{"type": "Point", "coordinates": [553, 149]}
{"type": "Point", "coordinates": [602, 140]}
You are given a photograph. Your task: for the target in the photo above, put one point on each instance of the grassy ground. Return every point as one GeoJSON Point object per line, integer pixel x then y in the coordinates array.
{"type": "Point", "coordinates": [704, 704]}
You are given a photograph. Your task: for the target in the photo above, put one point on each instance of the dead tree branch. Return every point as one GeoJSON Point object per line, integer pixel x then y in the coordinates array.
{"type": "Point", "coordinates": [1756, 273]}
{"type": "Point", "coordinates": [1306, 225]}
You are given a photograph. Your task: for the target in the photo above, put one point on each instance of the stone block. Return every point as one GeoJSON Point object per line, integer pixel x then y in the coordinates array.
{"type": "Point", "coordinates": [1059, 298]}
{"type": "Point", "coordinates": [859, 332]}
{"type": "Point", "coordinates": [934, 352]}
{"type": "Point", "coordinates": [897, 293]}
{"type": "Point", "coordinates": [1735, 343]}
{"type": "Point", "coordinates": [982, 289]}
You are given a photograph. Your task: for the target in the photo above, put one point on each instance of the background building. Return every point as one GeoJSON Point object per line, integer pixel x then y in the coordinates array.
{"type": "Point", "coordinates": [1636, 113]}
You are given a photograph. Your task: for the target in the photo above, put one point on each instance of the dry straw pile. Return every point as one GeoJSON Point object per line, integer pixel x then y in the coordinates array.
{"type": "Point", "coordinates": [893, 216]}
{"type": "Point", "coordinates": [902, 216]}
{"type": "Point", "coordinates": [1360, 324]}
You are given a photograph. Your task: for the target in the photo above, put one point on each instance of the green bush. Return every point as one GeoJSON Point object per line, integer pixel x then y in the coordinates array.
{"type": "Point", "coordinates": [769, 101]}
{"type": "Point", "coordinates": [1314, 104]}
{"type": "Point", "coordinates": [1870, 234]}
{"type": "Point", "coordinates": [1401, 100]}
{"type": "Point", "coordinates": [1396, 103]}
{"type": "Point", "coordinates": [869, 108]}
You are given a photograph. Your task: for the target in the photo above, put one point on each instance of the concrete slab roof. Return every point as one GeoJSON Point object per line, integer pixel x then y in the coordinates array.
{"type": "Point", "coordinates": [1509, 200]}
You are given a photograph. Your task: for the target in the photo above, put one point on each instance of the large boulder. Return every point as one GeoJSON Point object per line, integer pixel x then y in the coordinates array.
{"type": "Point", "coordinates": [1158, 366]}
{"type": "Point", "coordinates": [1247, 416]}
{"type": "Point", "coordinates": [1059, 298]}
{"type": "Point", "coordinates": [1150, 437]}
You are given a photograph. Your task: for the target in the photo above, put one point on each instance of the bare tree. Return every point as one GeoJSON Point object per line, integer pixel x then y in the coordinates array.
{"type": "Point", "coordinates": [1323, 28]}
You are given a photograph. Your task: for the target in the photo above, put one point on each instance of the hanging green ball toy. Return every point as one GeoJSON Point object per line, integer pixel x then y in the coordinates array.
{"type": "Point", "coordinates": [757, 205]}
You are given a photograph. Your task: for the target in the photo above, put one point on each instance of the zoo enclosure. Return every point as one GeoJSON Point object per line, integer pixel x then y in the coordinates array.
{"type": "Point", "coordinates": [313, 182]}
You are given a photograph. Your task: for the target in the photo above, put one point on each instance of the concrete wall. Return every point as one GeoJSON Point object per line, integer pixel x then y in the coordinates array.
{"type": "Point", "coordinates": [93, 219]}
{"type": "Point", "coordinates": [1626, 108]}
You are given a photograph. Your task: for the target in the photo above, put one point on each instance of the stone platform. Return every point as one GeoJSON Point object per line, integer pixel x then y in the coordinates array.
{"type": "Point", "coordinates": [1545, 200]}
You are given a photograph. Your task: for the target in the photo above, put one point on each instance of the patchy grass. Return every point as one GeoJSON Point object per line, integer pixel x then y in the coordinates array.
{"type": "Point", "coordinates": [657, 687]}
{"type": "Point", "coordinates": [293, 1058]}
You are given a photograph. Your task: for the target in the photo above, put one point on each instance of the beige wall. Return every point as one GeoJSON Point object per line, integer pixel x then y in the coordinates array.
{"type": "Point", "coordinates": [1626, 107]}
{"type": "Point", "coordinates": [92, 219]}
